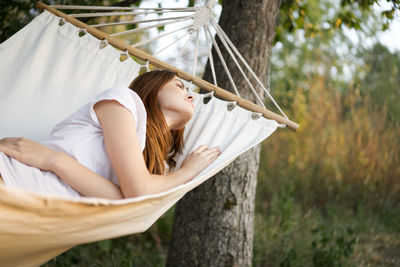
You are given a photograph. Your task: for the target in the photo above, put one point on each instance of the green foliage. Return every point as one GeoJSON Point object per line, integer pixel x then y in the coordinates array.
{"type": "Point", "coordinates": [191, 3]}
{"type": "Point", "coordinates": [161, 28]}
{"type": "Point", "coordinates": [330, 246]}
{"type": "Point", "coordinates": [289, 258]}
{"type": "Point", "coordinates": [340, 168]}
{"type": "Point", "coordinates": [380, 79]}
{"type": "Point", "coordinates": [15, 14]}
{"type": "Point", "coordinates": [115, 252]}
{"type": "Point", "coordinates": [300, 15]}
{"type": "Point", "coordinates": [387, 15]}
{"type": "Point", "coordinates": [146, 249]}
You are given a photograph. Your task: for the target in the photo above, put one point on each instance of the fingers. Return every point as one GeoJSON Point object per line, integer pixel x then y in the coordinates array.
{"type": "Point", "coordinates": [200, 158]}
{"type": "Point", "coordinates": [12, 139]}
{"type": "Point", "coordinates": [7, 143]}
{"type": "Point", "coordinates": [202, 148]}
{"type": "Point", "coordinates": [12, 142]}
{"type": "Point", "coordinates": [208, 154]}
{"type": "Point", "coordinates": [9, 148]}
{"type": "Point", "coordinates": [13, 146]}
{"type": "Point", "coordinates": [215, 154]}
{"type": "Point", "coordinates": [212, 152]}
{"type": "Point", "coordinates": [214, 157]}
{"type": "Point", "coordinates": [205, 149]}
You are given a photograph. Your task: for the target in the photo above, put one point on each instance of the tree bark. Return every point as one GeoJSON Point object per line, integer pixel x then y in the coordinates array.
{"type": "Point", "coordinates": [213, 224]}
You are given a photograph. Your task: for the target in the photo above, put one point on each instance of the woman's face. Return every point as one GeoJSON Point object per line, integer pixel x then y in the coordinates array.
{"type": "Point", "coordinates": [176, 103]}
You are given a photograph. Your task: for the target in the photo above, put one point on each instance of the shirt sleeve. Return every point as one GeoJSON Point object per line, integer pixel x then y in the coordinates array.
{"type": "Point", "coordinates": [124, 96]}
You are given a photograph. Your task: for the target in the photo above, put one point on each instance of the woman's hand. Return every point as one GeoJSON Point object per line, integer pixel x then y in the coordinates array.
{"type": "Point", "coordinates": [29, 152]}
{"type": "Point", "coordinates": [199, 159]}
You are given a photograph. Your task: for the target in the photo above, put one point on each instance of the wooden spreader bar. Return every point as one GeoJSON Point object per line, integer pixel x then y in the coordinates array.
{"type": "Point", "coordinates": [219, 92]}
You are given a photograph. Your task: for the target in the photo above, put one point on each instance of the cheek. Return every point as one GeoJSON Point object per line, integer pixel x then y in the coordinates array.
{"type": "Point", "coordinates": [169, 100]}
{"type": "Point", "coordinates": [163, 99]}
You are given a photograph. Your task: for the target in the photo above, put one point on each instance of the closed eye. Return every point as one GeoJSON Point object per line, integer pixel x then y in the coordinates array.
{"type": "Point", "coordinates": [180, 85]}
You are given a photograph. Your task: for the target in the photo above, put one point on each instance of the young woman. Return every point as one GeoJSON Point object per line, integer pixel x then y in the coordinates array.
{"type": "Point", "coordinates": [120, 145]}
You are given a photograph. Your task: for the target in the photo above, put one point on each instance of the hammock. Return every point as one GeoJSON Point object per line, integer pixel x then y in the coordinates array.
{"type": "Point", "coordinates": [47, 72]}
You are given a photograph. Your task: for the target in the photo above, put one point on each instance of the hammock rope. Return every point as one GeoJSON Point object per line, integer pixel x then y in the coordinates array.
{"type": "Point", "coordinates": [171, 44]}
{"type": "Point", "coordinates": [224, 65]}
{"type": "Point", "coordinates": [248, 67]}
{"type": "Point", "coordinates": [210, 56]}
{"type": "Point", "coordinates": [149, 27]}
{"type": "Point", "coordinates": [134, 22]}
{"type": "Point", "coordinates": [183, 48]}
{"type": "Point", "coordinates": [110, 14]}
{"type": "Point", "coordinates": [75, 7]}
{"type": "Point", "coordinates": [221, 37]}
{"type": "Point", "coordinates": [201, 17]}
{"type": "Point", "coordinates": [196, 51]}
{"type": "Point", "coordinates": [159, 37]}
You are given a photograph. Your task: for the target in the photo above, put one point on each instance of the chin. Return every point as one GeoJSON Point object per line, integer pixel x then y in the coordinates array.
{"type": "Point", "coordinates": [187, 113]}
{"type": "Point", "coordinates": [191, 113]}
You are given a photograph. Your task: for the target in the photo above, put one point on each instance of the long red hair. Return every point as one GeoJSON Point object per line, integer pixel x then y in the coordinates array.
{"type": "Point", "coordinates": [162, 144]}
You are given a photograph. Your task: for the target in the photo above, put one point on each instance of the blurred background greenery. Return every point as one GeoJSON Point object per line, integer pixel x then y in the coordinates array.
{"type": "Point", "coordinates": [328, 195]}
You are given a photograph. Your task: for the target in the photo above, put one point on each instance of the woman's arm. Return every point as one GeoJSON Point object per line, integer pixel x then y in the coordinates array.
{"type": "Point", "coordinates": [84, 180]}
{"type": "Point", "coordinates": [124, 151]}
{"type": "Point", "coordinates": [80, 178]}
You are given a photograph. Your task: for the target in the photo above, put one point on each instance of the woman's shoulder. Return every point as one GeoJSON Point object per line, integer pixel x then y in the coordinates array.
{"type": "Point", "coordinates": [123, 94]}
{"type": "Point", "coordinates": [132, 101]}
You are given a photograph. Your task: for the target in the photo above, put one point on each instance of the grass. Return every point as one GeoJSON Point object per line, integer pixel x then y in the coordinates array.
{"type": "Point", "coordinates": [285, 233]}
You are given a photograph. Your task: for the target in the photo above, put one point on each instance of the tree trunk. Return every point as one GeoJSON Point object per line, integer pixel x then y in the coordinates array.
{"type": "Point", "coordinates": [213, 224]}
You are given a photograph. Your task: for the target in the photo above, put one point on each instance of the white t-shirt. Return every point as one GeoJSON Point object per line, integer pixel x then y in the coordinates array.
{"type": "Point", "coordinates": [80, 136]}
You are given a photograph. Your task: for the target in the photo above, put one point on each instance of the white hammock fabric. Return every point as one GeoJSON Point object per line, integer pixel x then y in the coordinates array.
{"type": "Point", "coordinates": [47, 72]}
